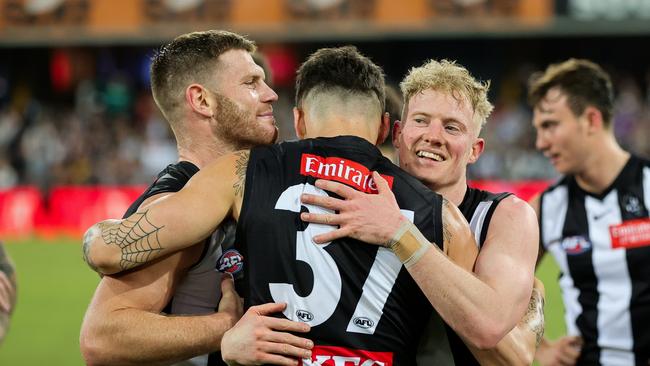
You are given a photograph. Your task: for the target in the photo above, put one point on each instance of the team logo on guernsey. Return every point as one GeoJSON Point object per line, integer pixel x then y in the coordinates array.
{"type": "Point", "coordinates": [340, 170]}
{"type": "Point", "coordinates": [231, 261]}
{"type": "Point", "coordinates": [342, 356]}
{"type": "Point", "coordinates": [577, 244]}
{"type": "Point", "coordinates": [632, 204]}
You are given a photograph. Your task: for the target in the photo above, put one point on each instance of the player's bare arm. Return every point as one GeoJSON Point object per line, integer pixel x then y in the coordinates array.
{"type": "Point", "coordinates": [7, 291]}
{"type": "Point", "coordinates": [172, 223]}
{"type": "Point", "coordinates": [482, 307]}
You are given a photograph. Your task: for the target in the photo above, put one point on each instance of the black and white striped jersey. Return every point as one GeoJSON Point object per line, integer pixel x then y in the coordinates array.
{"type": "Point", "coordinates": [602, 246]}
{"type": "Point", "coordinates": [363, 306]}
{"type": "Point", "coordinates": [477, 207]}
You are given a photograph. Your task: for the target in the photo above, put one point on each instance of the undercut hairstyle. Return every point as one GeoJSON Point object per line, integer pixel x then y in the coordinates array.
{"type": "Point", "coordinates": [189, 58]}
{"type": "Point", "coordinates": [583, 82]}
{"type": "Point", "coordinates": [449, 77]}
{"type": "Point", "coordinates": [341, 69]}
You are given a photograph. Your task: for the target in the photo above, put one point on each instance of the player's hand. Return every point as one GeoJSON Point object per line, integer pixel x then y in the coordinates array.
{"type": "Point", "coordinates": [564, 351]}
{"type": "Point", "coordinates": [230, 302]}
{"type": "Point", "coordinates": [372, 218]}
{"type": "Point", "coordinates": [259, 339]}
{"type": "Point", "coordinates": [7, 294]}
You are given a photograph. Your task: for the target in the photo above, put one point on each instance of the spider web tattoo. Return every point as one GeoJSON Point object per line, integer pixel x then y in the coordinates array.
{"type": "Point", "coordinates": [136, 236]}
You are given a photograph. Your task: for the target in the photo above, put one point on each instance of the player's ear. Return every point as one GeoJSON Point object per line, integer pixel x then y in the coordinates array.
{"type": "Point", "coordinates": [199, 100]}
{"type": "Point", "coordinates": [477, 149]}
{"type": "Point", "coordinates": [397, 131]}
{"type": "Point", "coordinates": [299, 122]}
{"type": "Point", "coordinates": [594, 119]}
{"type": "Point", "coordinates": [384, 128]}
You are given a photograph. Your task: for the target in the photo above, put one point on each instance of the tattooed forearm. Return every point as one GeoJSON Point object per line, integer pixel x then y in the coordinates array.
{"type": "Point", "coordinates": [240, 165]}
{"type": "Point", "coordinates": [136, 236]}
{"type": "Point", "coordinates": [534, 317]}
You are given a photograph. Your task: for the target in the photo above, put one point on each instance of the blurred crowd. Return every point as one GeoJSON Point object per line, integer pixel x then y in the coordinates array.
{"type": "Point", "coordinates": [112, 133]}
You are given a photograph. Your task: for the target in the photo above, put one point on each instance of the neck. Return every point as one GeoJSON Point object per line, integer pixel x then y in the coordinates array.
{"type": "Point", "coordinates": [202, 149]}
{"type": "Point", "coordinates": [605, 164]}
{"type": "Point", "coordinates": [341, 127]}
{"type": "Point", "coordinates": [454, 193]}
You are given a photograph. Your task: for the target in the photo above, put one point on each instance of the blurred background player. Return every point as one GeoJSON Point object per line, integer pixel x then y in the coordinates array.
{"type": "Point", "coordinates": [594, 221]}
{"type": "Point", "coordinates": [7, 291]}
{"type": "Point", "coordinates": [216, 101]}
{"type": "Point", "coordinates": [437, 139]}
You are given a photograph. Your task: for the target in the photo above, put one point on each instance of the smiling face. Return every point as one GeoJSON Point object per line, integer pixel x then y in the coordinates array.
{"type": "Point", "coordinates": [244, 111]}
{"type": "Point", "coordinates": [561, 135]}
{"type": "Point", "coordinates": [438, 139]}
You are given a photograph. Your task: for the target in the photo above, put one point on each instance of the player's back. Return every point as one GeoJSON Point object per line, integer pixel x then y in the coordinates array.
{"type": "Point", "coordinates": [362, 304]}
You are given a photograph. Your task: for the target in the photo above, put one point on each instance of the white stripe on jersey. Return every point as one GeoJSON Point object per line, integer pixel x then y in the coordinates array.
{"type": "Point", "coordinates": [610, 268]}
{"type": "Point", "coordinates": [476, 225]}
{"type": "Point", "coordinates": [556, 205]}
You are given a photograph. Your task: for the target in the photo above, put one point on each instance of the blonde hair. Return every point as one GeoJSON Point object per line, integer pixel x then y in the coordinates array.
{"type": "Point", "coordinates": [447, 76]}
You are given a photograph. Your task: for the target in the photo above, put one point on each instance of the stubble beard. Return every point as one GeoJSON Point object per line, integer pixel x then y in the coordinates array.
{"type": "Point", "coordinates": [238, 128]}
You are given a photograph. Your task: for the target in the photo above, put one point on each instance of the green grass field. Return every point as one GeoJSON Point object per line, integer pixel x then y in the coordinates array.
{"type": "Point", "coordinates": [55, 287]}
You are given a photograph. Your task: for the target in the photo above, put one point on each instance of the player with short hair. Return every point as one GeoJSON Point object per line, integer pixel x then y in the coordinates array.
{"type": "Point", "coordinates": [216, 101]}
{"type": "Point", "coordinates": [594, 220]}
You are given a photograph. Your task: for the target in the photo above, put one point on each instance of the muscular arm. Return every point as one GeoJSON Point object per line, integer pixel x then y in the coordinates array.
{"type": "Point", "coordinates": [172, 223]}
{"type": "Point", "coordinates": [484, 306]}
{"type": "Point", "coordinates": [7, 291]}
{"type": "Point", "coordinates": [123, 324]}
{"type": "Point", "coordinates": [481, 307]}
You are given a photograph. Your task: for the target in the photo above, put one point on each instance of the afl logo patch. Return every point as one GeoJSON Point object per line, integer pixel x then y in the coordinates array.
{"type": "Point", "coordinates": [231, 261]}
{"type": "Point", "coordinates": [363, 322]}
{"type": "Point", "coordinates": [574, 245]}
{"type": "Point", "coordinates": [304, 315]}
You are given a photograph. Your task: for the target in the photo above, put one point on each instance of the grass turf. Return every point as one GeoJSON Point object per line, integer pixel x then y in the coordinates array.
{"type": "Point", "coordinates": [55, 286]}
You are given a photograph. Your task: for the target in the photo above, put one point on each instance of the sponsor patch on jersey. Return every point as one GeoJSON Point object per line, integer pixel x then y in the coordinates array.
{"type": "Point", "coordinates": [340, 170]}
{"type": "Point", "coordinates": [341, 356]}
{"type": "Point", "coordinates": [576, 244]}
{"type": "Point", "coordinates": [631, 233]}
{"type": "Point", "coordinates": [231, 261]}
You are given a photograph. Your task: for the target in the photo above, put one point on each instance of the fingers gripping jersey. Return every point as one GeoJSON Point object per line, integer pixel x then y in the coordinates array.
{"type": "Point", "coordinates": [363, 306]}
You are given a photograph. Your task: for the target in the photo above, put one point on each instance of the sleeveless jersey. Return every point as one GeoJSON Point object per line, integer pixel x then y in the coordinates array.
{"type": "Point", "coordinates": [477, 207]}
{"type": "Point", "coordinates": [362, 305]}
{"type": "Point", "coordinates": [602, 246]}
{"type": "Point", "coordinates": [199, 290]}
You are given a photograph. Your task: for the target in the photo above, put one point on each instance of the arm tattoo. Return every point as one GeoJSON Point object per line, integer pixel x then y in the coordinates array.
{"type": "Point", "coordinates": [534, 317]}
{"type": "Point", "coordinates": [136, 236]}
{"type": "Point", "coordinates": [240, 169]}
{"type": "Point", "coordinates": [447, 236]}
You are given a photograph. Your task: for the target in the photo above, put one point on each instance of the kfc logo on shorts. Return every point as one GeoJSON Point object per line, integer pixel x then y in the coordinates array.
{"type": "Point", "coordinates": [341, 356]}
{"type": "Point", "coordinates": [341, 170]}
{"type": "Point", "coordinates": [577, 244]}
{"type": "Point", "coordinates": [631, 233]}
{"type": "Point", "coordinates": [231, 261]}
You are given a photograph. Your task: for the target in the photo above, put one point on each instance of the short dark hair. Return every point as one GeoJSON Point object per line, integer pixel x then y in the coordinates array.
{"type": "Point", "coordinates": [584, 83]}
{"type": "Point", "coordinates": [189, 58]}
{"type": "Point", "coordinates": [342, 67]}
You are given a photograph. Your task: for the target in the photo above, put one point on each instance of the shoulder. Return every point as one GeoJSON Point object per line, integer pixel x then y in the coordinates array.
{"type": "Point", "coordinates": [515, 211]}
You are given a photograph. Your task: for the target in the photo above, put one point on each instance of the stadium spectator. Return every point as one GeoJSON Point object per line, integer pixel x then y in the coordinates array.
{"type": "Point", "coordinates": [594, 220]}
